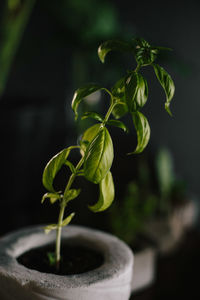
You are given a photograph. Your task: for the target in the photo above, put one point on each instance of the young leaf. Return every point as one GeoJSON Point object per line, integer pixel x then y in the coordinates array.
{"type": "Point", "coordinates": [131, 85]}
{"type": "Point", "coordinates": [144, 53]}
{"type": "Point", "coordinates": [120, 110]}
{"type": "Point", "coordinates": [142, 91]}
{"type": "Point", "coordinates": [89, 135]}
{"type": "Point", "coordinates": [143, 131]}
{"type": "Point", "coordinates": [98, 157]}
{"type": "Point", "coordinates": [118, 124]}
{"type": "Point", "coordinates": [80, 94]}
{"type": "Point", "coordinates": [92, 115]}
{"type": "Point", "coordinates": [107, 193]}
{"type": "Point", "coordinates": [136, 91]}
{"type": "Point", "coordinates": [67, 220]}
{"type": "Point", "coordinates": [51, 258]}
{"type": "Point", "coordinates": [49, 228]}
{"type": "Point", "coordinates": [71, 194]}
{"type": "Point", "coordinates": [167, 84]}
{"type": "Point", "coordinates": [119, 88]}
{"type": "Point", "coordinates": [118, 92]}
{"type": "Point", "coordinates": [52, 168]}
{"type": "Point", "coordinates": [112, 45]}
{"type": "Point", "coordinates": [53, 197]}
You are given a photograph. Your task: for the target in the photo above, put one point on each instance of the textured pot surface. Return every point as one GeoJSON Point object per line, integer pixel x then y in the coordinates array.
{"type": "Point", "coordinates": [112, 280]}
{"type": "Point", "coordinates": [144, 268]}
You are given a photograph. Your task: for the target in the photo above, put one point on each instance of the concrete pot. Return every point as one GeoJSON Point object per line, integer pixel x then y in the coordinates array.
{"type": "Point", "coordinates": [144, 268]}
{"type": "Point", "coordinates": [112, 280]}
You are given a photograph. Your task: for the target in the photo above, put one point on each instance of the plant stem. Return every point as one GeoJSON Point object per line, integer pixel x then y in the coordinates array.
{"type": "Point", "coordinates": [61, 215]}
{"type": "Point", "coordinates": [109, 110]}
{"type": "Point", "coordinates": [58, 236]}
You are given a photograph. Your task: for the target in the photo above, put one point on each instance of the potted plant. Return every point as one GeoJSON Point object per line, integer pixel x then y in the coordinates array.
{"type": "Point", "coordinates": [21, 252]}
{"type": "Point", "coordinates": [176, 211]}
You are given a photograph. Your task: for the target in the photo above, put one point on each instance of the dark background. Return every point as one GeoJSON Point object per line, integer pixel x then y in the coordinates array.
{"type": "Point", "coordinates": [58, 53]}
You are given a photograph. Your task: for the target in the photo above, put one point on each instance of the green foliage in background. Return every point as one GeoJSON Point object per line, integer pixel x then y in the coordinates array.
{"type": "Point", "coordinates": [171, 190]}
{"type": "Point", "coordinates": [15, 16]}
{"type": "Point", "coordinates": [129, 217]}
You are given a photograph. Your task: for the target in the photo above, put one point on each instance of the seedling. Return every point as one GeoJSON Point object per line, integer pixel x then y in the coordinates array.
{"type": "Point", "coordinates": [128, 95]}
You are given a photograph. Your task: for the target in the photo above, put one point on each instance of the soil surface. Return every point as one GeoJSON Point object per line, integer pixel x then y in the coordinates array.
{"type": "Point", "coordinates": [75, 259]}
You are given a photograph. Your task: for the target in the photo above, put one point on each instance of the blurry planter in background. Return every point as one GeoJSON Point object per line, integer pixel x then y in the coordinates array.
{"type": "Point", "coordinates": [168, 231]}
{"type": "Point", "coordinates": [144, 267]}
{"type": "Point", "coordinates": [111, 280]}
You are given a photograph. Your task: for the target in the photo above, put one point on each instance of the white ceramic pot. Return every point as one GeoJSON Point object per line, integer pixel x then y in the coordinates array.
{"type": "Point", "coordinates": [112, 280]}
{"type": "Point", "coordinates": [144, 268]}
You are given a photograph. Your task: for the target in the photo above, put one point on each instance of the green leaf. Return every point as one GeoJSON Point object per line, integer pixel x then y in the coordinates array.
{"type": "Point", "coordinates": [49, 228]}
{"type": "Point", "coordinates": [53, 197]}
{"type": "Point", "coordinates": [118, 92]}
{"type": "Point", "coordinates": [143, 131]}
{"type": "Point", "coordinates": [131, 85]}
{"type": "Point", "coordinates": [92, 115]}
{"type": "Point", "coordinates": [81, 93]}
{"type": "Point", "coordinates": [52, 168]}
{"type": "Point", "coordinates": [167, 84]}
{"type": "Point", "coordinates": [136, 91]}
{"type": "Point", "coordinates": [51, 258]}
{"type": "Point", "coordinates": [118, 124]}
{"type": "Point", "coordinates": [120, 110]}
{"type": "Point", "coordinates": [107, 193]}
{"type": "Point", "coordinates": [142, 91]}
{"type": "Point", "coordinates": [89, 135]}
{"type": "Point", "coordinates": [98, 157]}
{"type": "Point", "coordinates": [67, 220]}
{"type": "Point", "coordinates": [112, 45]}
{"type": "Point", "coordinates": [119, 88]}
{"type": "Point", "coordinates": [71, 194]}
{"type": "Point", "coordinates": [144, 53]}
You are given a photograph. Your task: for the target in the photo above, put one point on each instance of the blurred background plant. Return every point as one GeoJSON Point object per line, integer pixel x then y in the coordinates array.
{"type": "Point", "coordinates": [129, 216]}
{"type": "Point", "coordinates": [14, 18]}
{"type": "Point", "coordinates": [155, 193]}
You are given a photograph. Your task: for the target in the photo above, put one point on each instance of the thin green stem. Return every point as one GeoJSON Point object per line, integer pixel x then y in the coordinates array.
{"type": "Point", "coordinates": [61, 214]}
{"type": "Point", "coordinates": [112, 105]}
{"type": "Point", "coordinates": [58, 236]}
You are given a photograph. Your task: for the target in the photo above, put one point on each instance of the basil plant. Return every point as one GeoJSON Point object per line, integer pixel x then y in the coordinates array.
{"type": "Point", "coordinates": [127, 96]}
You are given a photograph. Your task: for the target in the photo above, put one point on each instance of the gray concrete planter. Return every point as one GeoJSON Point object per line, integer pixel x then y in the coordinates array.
{"type": "Point", "coordinates": [112, 280]}
{"type": "Point", "coordinates": [144, 268]}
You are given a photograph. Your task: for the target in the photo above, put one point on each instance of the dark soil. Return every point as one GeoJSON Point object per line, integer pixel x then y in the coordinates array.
{"type": "Point", "coordinates": [75, 259]}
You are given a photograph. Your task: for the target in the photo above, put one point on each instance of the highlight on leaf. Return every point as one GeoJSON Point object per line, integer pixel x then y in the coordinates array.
{"type": "Point", "coordinates": [52, 168]}
{"type": "Point", "coordinates": [67, 220]}
{"type": "Point", "coordinates": [118, 124]}
{"type": "Point", "coordinates": [88, 136]}
{"type": "Point", "coordinates": [81, 93]}
{"type": "Point", "coordinates": [71, 195]}
{"type": "Point", "coordinates": [107, 194]}
{"type": "Point", "coordinates": [112, 45]}
{"type": "Point", "coordinates": [167, 83]}
{"type": "Point", "coordinates": [143, 131]}
{"type": "Point", "coordinates": [49, 228]}
{"type": "Point", "coordinates": [136, 91]}
{"type": "Point", "coordinates": [98, 157]}
{"type": "Point", "coordinates": [93, 115]}
{"type": "Point", "coordinates": [53, 197]}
